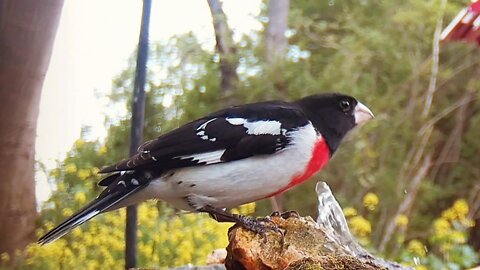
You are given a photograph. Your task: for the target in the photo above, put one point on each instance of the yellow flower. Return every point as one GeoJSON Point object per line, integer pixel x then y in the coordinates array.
{"type": "Point", "coordinates": [349, 211]}
{"type": "Point", "coordinates": [442, 227]}
{"type": "Point", "coordinates": [458, 211]}
{"type": "Point", "coordinates": [416, 247]}
{"type": "Point", "coordinates": [49, 225]}
{"type": "Point", "coordinates": [71, 168]}
{"type": "Point", "coordinates": [67, 212]}
{"type": "Point", "coordinates": [39, 232]}
{"type": "Point", "coordinates": [95, 170]}
{"type": "Point", "coordinates": [80, 197]}
{"type": "Point", "coordinates": [83, 174]}
{"type": "Point", "coordinates": [55, 173]}
{"type": "Point", "coordinates": [102, 150]}
{"type": "Point", "coordinates": [61, 187]}
{"type": "Point", "coordinates": [79, 143]}
{"type": "Point", "coordinates": [93, 265]}
{"type": "Point", "coordinates": [458, 237]}
{"type": "Point", "coordinates": [360, 226]}
{"type": "Point", "coordinates": [245, 209]}
{"type": "Point", "coordinates": [401, 220]}
{"type": "Point", "coordinates": [449, 214]}
{"type": "Point", "coordinates": [420, 267]}
{"type": "Point", "coordinates": [77, 232]}
{"type": "Point", "coordinates": [370, 201]}
{"type": "Point", "coordinates": [461, 208]}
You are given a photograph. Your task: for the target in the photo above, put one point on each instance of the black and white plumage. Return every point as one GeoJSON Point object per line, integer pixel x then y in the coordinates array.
{"type": "Point", "coordinates": [231, 157]}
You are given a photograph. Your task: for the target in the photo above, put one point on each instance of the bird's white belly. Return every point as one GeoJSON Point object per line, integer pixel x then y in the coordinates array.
{"type": "Point", "coordinates": [234, 183]}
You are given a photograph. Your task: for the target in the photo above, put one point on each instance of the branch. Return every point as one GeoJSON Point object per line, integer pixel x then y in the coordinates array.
{"type": "Point", "coordinates": [225, 47]}
{"type": "Point", "coordinates": [446, 112]}
{"type": "Point", "coordinates": [436, 52]}
{"type": "Point", "coordinates": [451, 149]}
{"type": "Point", "coordinates": [407, 203]}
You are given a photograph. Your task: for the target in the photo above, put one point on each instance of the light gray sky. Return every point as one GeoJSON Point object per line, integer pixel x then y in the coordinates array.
{"type": "Point", "coordinates": [93, 42]}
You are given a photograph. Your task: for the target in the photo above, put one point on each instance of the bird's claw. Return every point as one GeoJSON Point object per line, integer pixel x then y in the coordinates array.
{"type": "Point", "coordinates": [259, 225]}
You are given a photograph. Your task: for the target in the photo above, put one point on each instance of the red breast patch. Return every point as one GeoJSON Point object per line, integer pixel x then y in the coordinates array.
{"type": "Point", "coordinates": [320, 157]}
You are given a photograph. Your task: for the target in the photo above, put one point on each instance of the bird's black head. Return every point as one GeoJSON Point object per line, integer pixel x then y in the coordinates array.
{"type": "Point", "coordinates": [333, 115]}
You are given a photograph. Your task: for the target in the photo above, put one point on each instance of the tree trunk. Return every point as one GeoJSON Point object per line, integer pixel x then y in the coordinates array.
{"type": "Point", "coordinates": [276, 47]}
{"type": "Point", "coordinates": [226, 49]}
{"type": "Point", "coordinates": [27, 29]}
{"type": "Point", "coordinates": [276, 41]}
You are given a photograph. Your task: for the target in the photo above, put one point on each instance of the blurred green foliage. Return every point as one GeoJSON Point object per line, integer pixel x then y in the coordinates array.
{"type": "Point", "coordinates": [377, 51]}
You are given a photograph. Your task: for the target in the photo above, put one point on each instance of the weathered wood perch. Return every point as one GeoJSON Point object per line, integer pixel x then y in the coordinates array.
{"type": "Point", "coordinates": [306, 244]}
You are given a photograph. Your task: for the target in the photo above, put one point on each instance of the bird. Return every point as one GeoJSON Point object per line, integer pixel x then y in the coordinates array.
{"type": "Point", "coordinates": [230, 157]}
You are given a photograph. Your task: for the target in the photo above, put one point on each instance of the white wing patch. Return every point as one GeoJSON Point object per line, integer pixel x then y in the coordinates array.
{"type": "Point", "coordinates": [263, 127]}
{"type": "Point", "coordinates": [208, 157]}
{"type": "Point", "coordinates": [236, 121]}
{"type": "Point", "coordinates": [258, 127]}
{"type": "Point", "coordinates": [204, 125]}
{"type": "Point", "coordinates": [201, 131]}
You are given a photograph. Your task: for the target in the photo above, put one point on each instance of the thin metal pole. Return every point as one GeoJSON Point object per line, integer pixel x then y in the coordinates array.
{"type": "Point", "coordinates": [136, 132]}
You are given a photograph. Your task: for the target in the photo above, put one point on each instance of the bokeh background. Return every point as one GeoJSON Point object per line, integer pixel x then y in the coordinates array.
{"type": "Point", "coordinates": [409, 181]}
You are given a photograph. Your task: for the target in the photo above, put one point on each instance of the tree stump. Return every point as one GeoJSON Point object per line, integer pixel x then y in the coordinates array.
{"type": "Point", "coordinates": [304, 246]}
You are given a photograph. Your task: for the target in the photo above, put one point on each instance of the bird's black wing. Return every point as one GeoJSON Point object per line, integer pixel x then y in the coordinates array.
{"type": "Point", "coordinates": [230, 134]}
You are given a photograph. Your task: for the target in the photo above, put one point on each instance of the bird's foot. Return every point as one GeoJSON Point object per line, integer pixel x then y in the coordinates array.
{"type": "Point", "coordinates": [256, 225]}
{"type": "Point", "coordinates": [259, 225]}
{"type": "Point", "coordinates": [268, 223]}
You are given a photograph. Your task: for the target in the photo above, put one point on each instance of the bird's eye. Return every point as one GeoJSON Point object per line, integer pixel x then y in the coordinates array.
{"type": "Point", "coordinates": [345, 105]}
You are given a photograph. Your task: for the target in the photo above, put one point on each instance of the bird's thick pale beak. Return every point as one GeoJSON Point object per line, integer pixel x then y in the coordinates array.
{"type": "Point", "coordinates": [362, 114]}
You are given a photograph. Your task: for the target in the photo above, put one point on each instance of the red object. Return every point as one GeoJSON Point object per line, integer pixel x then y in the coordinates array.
{"type": "Point", "coordinates": [465, 26]}
{"type": "Point", "coordinates": [320, 157]}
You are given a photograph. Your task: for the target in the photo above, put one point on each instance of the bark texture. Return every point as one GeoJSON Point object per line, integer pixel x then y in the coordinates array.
{"type": "Point", "coordinates": [226, 49]}
{"type": "Point", "coordinates": [304, 246]}
{"type": "Point", "coordinates": [27, 31]}
{"type": "Point", "coordinates": [276, 41]}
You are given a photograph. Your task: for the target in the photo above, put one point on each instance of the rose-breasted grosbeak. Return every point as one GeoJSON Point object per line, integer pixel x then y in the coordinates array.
{"type": "Point", "coordinates": [230, 157]}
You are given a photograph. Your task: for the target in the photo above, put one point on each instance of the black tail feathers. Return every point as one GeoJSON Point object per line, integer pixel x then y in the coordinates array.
{"type": "Point", "coordinates": [112, 196]}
